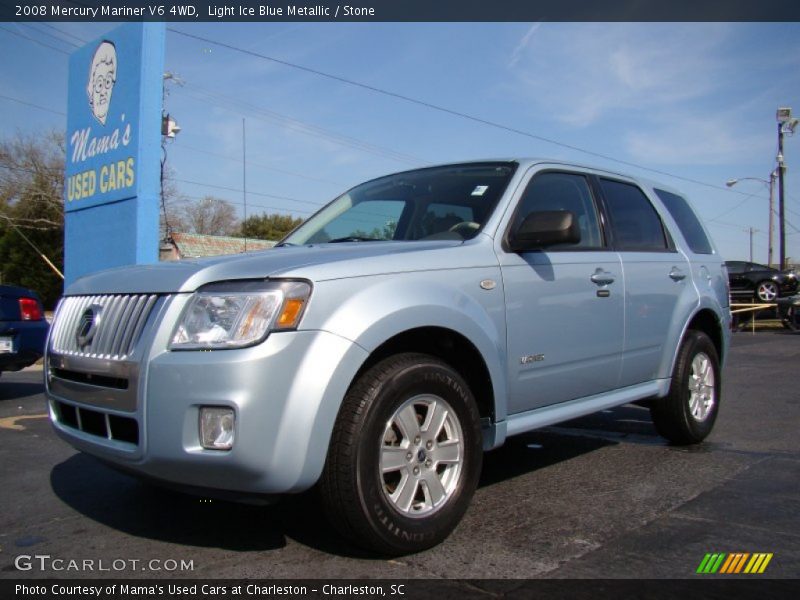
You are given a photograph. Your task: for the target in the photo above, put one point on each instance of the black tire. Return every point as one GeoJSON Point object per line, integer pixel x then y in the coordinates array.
{"type": "Point", "coordinates": [354, 491]}
{"type": "Point", "coordinates": [763, 296]}
{"type": "Point", "coordinates": [673, 415]}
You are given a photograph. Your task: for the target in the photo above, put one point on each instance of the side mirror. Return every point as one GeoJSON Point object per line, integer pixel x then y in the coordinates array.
{"type": "Point", "coordinates": [545, 228]}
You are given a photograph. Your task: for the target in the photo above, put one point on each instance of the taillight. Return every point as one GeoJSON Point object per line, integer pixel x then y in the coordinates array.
{"type": "Point", "coordinates": [29, 309]}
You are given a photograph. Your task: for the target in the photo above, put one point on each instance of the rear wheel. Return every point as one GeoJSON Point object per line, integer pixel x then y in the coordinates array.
{"type": "Point", "coordinates": [767, 291]}
{"type": "Point", "coordinates": [405, 456]}
{"type": "Point", "coordinates": [688, 412]}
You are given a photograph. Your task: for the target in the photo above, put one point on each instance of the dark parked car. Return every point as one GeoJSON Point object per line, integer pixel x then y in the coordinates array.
{"type": "Point", "coordinates": [23, 328]}
{"type": "Point", "coordinates": [760, 281]}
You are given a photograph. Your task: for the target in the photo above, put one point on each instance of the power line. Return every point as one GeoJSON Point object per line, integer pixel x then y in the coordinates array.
{"type": "Point", "coordinates": [61, 31]}
{"type": "Point", "coordinates": [50, 35]}
{"type": "Point", "coordinates": [416, 101]}
{"type": "Point", "coordinates": [239, 190]}
{"type": "Point", "coordinates": [258, 165]}
{"type": "Point", "coordinates": [34, 40]}
{"type": "Point", "coordinates": [730, 210]}
{"type": "Point", "coordinates": [300, 126]}
{"type": "Point", "coordinates": [31, 104]}
{"type": "Point", "coordinates": [444, 109]}
{"type": "Point", "coordinates": [422, 103]}
{"type": "Point", "coordinates": [239, 203]}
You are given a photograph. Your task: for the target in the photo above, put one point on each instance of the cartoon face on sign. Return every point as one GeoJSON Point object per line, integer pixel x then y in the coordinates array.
{"type": "Point", "coordinates": [102, 75]}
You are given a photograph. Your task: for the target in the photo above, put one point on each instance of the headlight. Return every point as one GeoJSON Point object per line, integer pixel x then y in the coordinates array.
{"type": "Point", "coordinates": [236, 314]}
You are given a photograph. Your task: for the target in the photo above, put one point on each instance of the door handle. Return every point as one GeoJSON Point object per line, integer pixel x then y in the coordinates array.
{"type": "Point", "coordinates": [676, 274]}
{"type": "Point", "coordinates": [602, 277]}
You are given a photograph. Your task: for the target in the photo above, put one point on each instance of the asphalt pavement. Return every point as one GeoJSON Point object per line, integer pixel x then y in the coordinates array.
{"type": "Point", "coordinates": [598, 497]}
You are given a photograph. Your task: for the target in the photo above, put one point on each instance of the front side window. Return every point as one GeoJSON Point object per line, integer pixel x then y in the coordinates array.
{"type": "Point", "coordinates": [440, 203]}
{"type": "Point", "coordinates": [555, 191]}
{"type": "Point", "coordinates": [636, 224]}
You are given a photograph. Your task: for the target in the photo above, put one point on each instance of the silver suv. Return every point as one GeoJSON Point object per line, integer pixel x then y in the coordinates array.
{"type": "Point", "coordinates": [412, 323]}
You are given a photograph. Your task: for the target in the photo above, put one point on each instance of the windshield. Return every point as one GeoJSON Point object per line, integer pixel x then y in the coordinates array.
{"type": "Point", "coordinates": [438, 203]}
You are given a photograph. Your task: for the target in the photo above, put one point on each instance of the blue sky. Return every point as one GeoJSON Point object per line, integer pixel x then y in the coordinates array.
{"type": "Point", "coordinates": [693, 100]}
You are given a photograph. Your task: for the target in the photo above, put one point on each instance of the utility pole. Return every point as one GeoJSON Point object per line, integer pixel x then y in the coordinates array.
{"type": "Point", "coordinates": [781, 215]}
{"type": "Point", "coordinates": [786, 124]}
{"type": "Point", "coordinates": [752, 231]}
{"type": "Point", "coordinates": [772, 177]}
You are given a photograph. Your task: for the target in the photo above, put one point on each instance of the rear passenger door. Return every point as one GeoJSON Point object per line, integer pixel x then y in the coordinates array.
{"type": "Point", "coordinates": [656, 277]}
{"type": "Point", "coordinates": [564, 304]}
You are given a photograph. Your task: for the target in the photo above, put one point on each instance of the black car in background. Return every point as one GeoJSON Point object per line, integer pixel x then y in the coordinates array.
{"type": "Point", "coordinates": [23, 328]}
{"type": "Point", "coordinates": [760, 282]}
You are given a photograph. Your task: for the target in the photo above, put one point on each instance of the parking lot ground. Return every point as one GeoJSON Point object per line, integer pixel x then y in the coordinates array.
{"type": "Point", "coordinates": [598, 497]}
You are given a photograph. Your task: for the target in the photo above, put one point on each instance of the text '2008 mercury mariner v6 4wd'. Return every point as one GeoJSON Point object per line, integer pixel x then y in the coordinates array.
{"type": "Point", "coordinates": [412, 323]}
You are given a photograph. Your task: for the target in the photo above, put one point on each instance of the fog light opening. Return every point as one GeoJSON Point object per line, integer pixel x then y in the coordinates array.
{"type": "Point", "coordinates": [217, 426]}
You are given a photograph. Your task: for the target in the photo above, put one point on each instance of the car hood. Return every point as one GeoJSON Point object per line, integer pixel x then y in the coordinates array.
{"type": "Point", "coordinates": [316, 263]}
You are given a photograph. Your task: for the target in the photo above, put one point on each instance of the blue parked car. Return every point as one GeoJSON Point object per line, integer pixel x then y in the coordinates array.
{"type": "Point", "coordinates": [23, 328]}
{"type": "Point", "coordinates": [410, 324]}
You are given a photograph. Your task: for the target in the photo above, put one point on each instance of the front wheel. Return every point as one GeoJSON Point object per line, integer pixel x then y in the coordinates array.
{"type": "Point", "coordinates": [405, 455]}
{"type": "Point", "coordinates": [687, 414]}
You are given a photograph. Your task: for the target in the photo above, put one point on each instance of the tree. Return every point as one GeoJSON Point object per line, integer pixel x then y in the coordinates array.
{"type": "Point", "coordinates": [209, 216]}
{"type": "Point", "coordinates": [271, 226]}
{"type": "Point", "coordinates": [32, 207]}
{"type": "Point", "coordinates": [173, 206]}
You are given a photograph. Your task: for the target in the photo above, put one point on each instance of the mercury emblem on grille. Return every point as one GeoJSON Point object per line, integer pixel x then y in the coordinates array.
{"type": "Point", "coordinates": [87, 325]}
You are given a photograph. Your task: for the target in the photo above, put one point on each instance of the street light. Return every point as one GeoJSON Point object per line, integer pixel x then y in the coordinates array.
{"type": "Point", "coordinates": [771, 186]}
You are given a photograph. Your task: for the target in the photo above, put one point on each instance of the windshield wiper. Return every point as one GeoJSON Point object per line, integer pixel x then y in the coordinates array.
{"type": "Point", "coordinates": [354, 238]}
{"type": "Point", "coordinates": [284, 245]}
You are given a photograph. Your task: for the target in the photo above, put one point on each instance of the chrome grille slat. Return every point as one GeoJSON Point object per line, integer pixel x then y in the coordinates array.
{"type": "Point", "coordinates": [131, 324]}
{"type": "Point", "coordinates": [108, 325]}
{"type": "Point", "coordinates": [128, 309]}
{"type": "Point", "coordinates": [118, 330]}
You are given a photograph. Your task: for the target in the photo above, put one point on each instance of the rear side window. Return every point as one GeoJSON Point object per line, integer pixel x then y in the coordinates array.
{"type": "Point", "coordinates": [563, 191]}
{"type": "Point", "coordinates": [687, 222]}
{"type": "Point", "coordinates": [636, 224]}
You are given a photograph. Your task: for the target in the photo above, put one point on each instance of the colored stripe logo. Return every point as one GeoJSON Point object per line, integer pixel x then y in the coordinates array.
{"type": "Point", "coordinates": [734, 563]}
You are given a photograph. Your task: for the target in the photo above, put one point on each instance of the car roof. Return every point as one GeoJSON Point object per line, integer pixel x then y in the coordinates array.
{"type": "Point", "coordinates": [526, 162]}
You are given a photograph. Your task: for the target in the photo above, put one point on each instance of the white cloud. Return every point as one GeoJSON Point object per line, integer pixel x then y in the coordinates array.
{"type": "Point", "coordinates": [523, 43]}
{"type": "Point", "coordinates": [682, 139]}
{"type": "Point", "coordinates": [584, 72]}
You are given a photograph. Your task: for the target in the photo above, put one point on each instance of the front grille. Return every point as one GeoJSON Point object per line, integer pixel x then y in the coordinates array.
{"type": "Point", "coordinates": [118, 327]}
{"type": "Point", "coordinates": [100, 424]}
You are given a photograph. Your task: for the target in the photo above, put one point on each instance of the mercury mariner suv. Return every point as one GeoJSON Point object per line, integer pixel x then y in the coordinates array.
{"type": "Point", "coordinates": [409, 325]}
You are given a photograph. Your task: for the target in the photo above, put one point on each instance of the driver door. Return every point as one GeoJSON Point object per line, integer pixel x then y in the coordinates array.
{"type": "Point", "coordinates": [564, 304]}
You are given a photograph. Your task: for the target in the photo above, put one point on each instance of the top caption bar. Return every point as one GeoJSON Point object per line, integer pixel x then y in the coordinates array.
{"type": "Point", "coordinates": [401, 10]}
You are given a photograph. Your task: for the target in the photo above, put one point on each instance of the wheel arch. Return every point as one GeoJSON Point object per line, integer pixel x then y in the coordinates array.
{"type": "Point", "coordinates": [707, 320]}
{"type": "Point", "coordinates": [449, 346]}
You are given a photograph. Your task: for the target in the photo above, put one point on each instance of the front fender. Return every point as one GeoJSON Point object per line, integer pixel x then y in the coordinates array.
{"type": "Point", "coordinates": [371, 310]}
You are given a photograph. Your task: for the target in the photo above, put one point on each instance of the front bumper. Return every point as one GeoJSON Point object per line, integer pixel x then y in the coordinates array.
{"type": "Point", "coordinates": [285, 392]}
